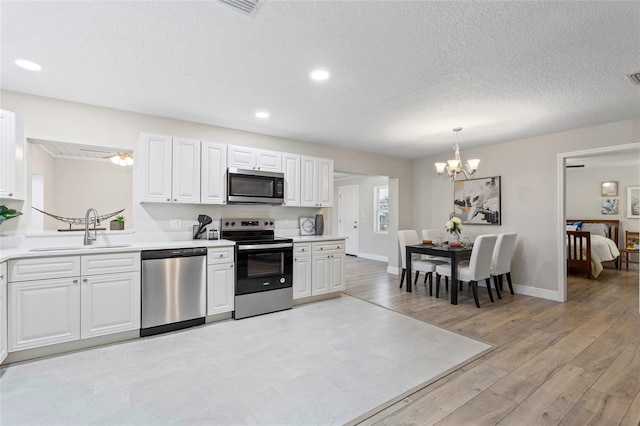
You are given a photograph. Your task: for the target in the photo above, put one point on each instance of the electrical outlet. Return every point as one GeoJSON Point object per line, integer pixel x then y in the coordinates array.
{"type": "Point", "coordinates": [286, 223]}
{"type": "Point", "coordinates": [175, 224]}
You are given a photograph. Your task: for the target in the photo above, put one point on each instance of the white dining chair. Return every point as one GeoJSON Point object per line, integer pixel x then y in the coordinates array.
{"type": "Point", "coordinates": [501, 261]}
{"type": "Point", "coordinates": [407, 238]}
{"type": "Point", "coordinates": [478, 268]}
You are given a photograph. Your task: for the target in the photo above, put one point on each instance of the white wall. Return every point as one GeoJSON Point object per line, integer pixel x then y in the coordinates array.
{"type": "Point", "coordinates": [52, 119]}
{"type": "Point", "coordinates": [583, 198]}
{"type": "Point", "coordinates": [370, 242]}
{"type": "Point", "coordinates": [529, 195]}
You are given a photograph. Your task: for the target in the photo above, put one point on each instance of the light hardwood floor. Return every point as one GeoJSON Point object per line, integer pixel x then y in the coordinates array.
{"type": "Point", "coordinates": [573, 363]}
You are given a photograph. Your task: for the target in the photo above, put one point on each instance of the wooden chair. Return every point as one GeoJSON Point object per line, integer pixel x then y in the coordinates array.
{"type": "Point", "coordinates": [408, 238]}
{"type": "Point", "coordinates": [479, 267]}
{"type": "Point", "coordinates": [631, 245]}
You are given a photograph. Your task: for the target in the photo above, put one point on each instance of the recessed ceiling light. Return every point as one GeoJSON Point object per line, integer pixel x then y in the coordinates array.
{"type": "Point", "coordinates": [319, 75]}
{"type": "Point", "coordinates": [28, 65]}
{"type": "Point", "coordinates": [262, 114]}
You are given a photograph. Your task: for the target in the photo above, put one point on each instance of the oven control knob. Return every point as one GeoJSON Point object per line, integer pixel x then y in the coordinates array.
{"type": "Point", "coordinates": [282, 280]}
{"type": "Point", "coordinates": [266, 223]}
{"type": "Point", "coordinates": [233, 224]}
{"type": "Point", "coordinates": [271, 223]}
{"type": "Point", "coordinates": [226, 224]}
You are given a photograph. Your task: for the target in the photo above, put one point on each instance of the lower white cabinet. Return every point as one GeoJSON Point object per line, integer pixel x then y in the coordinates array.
{"type": "Point", "coordinates": [110, 303]}
{"type": "Point", "coordinates": [43, 312]}
{"type": "Point", "coordinates": [301, 270]}
{"type": "Point", "coordinates": [318, 268]}
{"type": "Point", "coordinates": [220, 280]}
{"type": "Point", "coordinates": [103, 299]}
{"type": "Point", "coordinates": [3, 312]}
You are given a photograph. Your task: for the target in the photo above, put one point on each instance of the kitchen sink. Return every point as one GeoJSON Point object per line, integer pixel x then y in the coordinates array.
{"type": "Point", "coordinates": [66, 248]}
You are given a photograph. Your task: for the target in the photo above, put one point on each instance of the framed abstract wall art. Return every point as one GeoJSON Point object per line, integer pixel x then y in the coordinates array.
{"type": "Point", "coordinates": [633, 202]}
{"type": "Point", "coordinates": [477, 201]}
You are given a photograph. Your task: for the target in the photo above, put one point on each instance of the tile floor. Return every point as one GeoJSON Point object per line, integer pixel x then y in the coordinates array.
{"type": "Point", "coordinates": [323, 363]}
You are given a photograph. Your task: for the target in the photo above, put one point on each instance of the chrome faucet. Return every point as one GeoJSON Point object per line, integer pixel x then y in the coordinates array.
{"type": "Point", "coordinates": [88, 239]}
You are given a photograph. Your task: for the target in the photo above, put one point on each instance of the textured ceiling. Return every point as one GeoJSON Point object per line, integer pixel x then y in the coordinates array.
{"type": "Point", "coordinates": [403, 74]}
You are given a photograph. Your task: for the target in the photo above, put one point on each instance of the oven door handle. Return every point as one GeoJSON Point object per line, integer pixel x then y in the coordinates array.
{"type": "Point", "coordinates": [247, 247]}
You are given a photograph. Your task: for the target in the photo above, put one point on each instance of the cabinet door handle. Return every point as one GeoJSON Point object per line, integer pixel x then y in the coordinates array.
{"type": "Point", "coordinates": [84, 280]}
{"type": "Point", "coordinates": [1, 277]}
{"type": "Point", "coordinates": [11, 194]}
{"type": "Point", "coordinates": [168, 199]}
{"type": "Point", "coordinates": [75, 281]}
{"type": "Point", "coordinates": [175, 199]}
{"type": "Point", "coordinates": [231, 266]}
{"type": "Point", "coordinates": [221, 255]}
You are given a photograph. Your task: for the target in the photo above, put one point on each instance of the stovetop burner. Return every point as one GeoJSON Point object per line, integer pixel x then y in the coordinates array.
{"type": "Point", "coordinates": [251, 230]}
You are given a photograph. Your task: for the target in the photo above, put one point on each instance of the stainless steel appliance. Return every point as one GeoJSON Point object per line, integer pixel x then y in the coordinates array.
{"type": "Point", "coordinates": [173, 289]}
{"type": "Point", "coordinates": [264, 267]}
{"type": "Point", "coordinates": [254, 187]}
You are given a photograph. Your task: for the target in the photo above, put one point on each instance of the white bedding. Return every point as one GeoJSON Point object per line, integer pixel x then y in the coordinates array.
{"type": "Point", "coordinates": [602, 249]}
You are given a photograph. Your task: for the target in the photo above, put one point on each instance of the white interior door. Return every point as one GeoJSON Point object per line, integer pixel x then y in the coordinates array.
{"type": "Point", "coordinates": [348, 215]}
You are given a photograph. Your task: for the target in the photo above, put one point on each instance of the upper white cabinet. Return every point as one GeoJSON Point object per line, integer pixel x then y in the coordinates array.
{"type": "Point", "coordinates": [291, 170]}
{"type": "Point", "coordinates": [12, 144]}
{"type": "Point", "coordinates": [316, 183]}
{"type": "Point", "coordinates": [169, 169]}
{"type": "Point", "coordinates": [185, 174]}
{"type": "Point", "coordinates": [244, 157]}
{"type": "Point", "coordinates": [213, 175]}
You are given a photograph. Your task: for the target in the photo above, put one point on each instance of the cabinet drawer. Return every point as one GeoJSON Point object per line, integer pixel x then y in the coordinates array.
{"type": "Point", "coordinates": [96, 264]}
{"type": "Point", "coordinates": [44, 268]}
{"type": "Point", "coordinates": [302, 250]}
{"type": "Point", "coordinates": [332, 246]}
{"type": "Point", "coordinates": [220, 255]}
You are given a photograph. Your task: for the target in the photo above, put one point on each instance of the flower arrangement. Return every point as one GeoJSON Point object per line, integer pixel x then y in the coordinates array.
{"type": "Point", "coordinates": [454, 225]}
{"type": "Point", "coordinates": [7, 213]}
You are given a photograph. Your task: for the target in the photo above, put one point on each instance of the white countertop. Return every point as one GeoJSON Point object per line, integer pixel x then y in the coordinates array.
{"type": "Point", "coordinates": [8, 254]}
{"type": "Point", "coordinates": [75, 250]}
{"type": "Point", "coordinates": [316, 238]}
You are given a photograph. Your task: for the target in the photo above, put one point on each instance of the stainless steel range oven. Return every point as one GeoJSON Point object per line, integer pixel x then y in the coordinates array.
{"type": "Point", "coordinates": [264, 267]}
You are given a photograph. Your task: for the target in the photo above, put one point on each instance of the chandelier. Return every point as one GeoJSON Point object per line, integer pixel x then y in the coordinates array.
{"type": "Point", "coordinates": [453, 167]}
{"type": "Point", "coordinates": [122, 159]}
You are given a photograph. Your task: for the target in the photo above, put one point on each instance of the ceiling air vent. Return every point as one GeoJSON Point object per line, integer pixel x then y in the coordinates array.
{"type": "Point", "coordinates": [635, 78]}
{"type": "Point", "coordinates": [248, 7]}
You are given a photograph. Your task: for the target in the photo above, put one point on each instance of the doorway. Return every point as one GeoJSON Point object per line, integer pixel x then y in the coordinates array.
{"type": "Point", "coordinates": [348, 215]}
{"type": "Point", "coordinates": [563, 160]}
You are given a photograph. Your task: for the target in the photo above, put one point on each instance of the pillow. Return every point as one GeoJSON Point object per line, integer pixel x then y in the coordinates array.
{"type": "Point", "coordinates": [578, 226]}
{"type": "Point", "coordinates": [595, 228]}
{"type": "Point", "coordinates": [572, 227]}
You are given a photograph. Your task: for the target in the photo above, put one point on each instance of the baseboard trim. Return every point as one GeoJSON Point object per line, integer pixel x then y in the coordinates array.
{"type": "Point", "coordinates": [393, 270]}
{"type": "Point", "coordinates": [373, 257]}
{"type": "Point", "coordinates": [526, 290]}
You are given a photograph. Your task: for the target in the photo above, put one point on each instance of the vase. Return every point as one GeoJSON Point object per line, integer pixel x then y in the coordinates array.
{"type": "Point", "coordinates": [116, 225]}
{"type": "Point", "coordinates": [455, 237]}
{"type": "Point", "coordinates": [319, 224]}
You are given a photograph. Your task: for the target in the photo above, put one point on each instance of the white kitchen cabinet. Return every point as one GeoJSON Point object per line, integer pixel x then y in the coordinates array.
{"type": "Point", "coordinates": [110, 293]}
{"type": "Point", "coordinates": [291, 170]}
{"type": "Point", "coordinates": [3, 313]}
{"type": "Point", "coordinates": [244, 157]}
{"type": "Point", "coordinates": [43, 312]}
{"type": "Point", "coordinates": [316, 182]}
{"type": "Point", "coordinates": [12, 158]}
{"type": "Point", "coordinates": [110, 303]}
{"type": "Point", "coordinates": [213, 175]}
{"type": "Point", "coordinates": [169, 169]}
{"type": "Point", "coordinates": [185, 176]}
{"type": "Point", "coordinates": [220, 280]}
{"type": "Point", "coordinates": [328, 267]}
{"type": "Point", "coordinates": [301, 270]}
{"type": "Point", "coordinates": [80, 297]}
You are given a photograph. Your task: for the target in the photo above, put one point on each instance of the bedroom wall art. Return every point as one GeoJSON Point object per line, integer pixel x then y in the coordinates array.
{"type": "Point", "coordinates": [609, 189]}
{"type": "Point", "coordinates": [633, 202]}
{"type": "Point", "coordinates": [609, 206]}
{"type": "Point", "coordinates": [477, 201]}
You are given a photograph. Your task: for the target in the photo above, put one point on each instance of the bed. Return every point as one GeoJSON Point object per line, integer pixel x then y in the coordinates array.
{"type": "Point", "coordinates": [590, 243]}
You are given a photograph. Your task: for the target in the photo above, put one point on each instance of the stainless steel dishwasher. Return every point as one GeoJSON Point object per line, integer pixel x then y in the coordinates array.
{"type": "Point", "coordinates": [173, 289]}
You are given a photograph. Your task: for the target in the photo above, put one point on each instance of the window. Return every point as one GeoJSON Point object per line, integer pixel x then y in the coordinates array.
{"type": "Point", "coordinates": [381, 209]}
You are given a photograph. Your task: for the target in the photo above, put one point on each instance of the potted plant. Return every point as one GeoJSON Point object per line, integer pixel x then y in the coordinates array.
{"type": "Point", "coordinates": [7, 213]}
{"type": "Point", "coordinates": [117, 224]}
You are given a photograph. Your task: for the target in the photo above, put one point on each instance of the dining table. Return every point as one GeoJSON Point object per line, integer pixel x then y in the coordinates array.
{"type": "Point", "coordinates": [455, 254]}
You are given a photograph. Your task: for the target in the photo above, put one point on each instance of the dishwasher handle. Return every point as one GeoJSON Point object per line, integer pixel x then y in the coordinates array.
{"type": "Point", "coordinates": [170, 253]}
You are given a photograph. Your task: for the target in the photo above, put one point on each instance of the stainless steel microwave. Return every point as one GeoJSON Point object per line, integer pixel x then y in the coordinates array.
{"type": "Point", "coordinates": [254, 187]}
